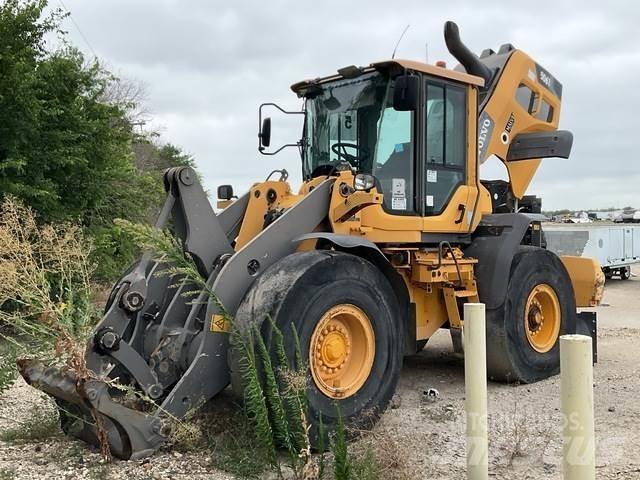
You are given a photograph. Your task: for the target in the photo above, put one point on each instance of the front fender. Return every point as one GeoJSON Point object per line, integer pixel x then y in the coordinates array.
{"type": "Point", "coordinates": [368, 250]}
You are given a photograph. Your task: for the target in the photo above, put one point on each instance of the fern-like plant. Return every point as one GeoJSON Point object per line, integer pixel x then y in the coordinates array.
{"type": "Point", "coordinates": [341, 460]}
{"type": "Point", "coordinates": [254, 397]}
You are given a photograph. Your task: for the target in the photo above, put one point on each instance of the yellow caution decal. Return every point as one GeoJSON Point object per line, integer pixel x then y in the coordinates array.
{"type": "Point", "coordinates": [220, 324]}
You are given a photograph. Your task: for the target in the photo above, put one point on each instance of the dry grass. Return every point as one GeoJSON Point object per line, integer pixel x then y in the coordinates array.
{"type": "Point", "coordinates": [381, 455]}
{"type": "Point", "coordinates": [45, 295]}
{"type": "Point", "coordinates": [44, 285]}
{"type": "Point", "coordinates": [527, 438]}
{"type": "Point", "coordinates": [521, 435]}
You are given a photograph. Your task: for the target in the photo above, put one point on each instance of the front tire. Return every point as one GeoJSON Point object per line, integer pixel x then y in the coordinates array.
{"type": "Point", "coordinates": [346, 316]}
{"type": "Point", "coordinates": [523, 334]}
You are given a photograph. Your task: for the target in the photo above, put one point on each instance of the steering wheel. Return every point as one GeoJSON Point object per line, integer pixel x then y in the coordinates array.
{"type": "Point", "coordinates": [340, 149]}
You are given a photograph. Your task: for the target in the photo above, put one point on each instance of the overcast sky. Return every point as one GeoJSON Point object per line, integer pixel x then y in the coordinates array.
{"type": "Point", "coordinates": [207, 65]}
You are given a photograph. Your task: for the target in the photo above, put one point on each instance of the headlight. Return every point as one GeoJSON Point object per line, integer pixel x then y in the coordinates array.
{"type": "Point", "coordinates": [363, 181]}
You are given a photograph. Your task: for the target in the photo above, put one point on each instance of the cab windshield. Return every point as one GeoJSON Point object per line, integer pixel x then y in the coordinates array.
{"type": "Point", "coordinates": [353, 121]}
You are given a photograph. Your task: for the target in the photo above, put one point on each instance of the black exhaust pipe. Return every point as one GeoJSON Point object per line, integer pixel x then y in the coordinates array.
{"type": "Point", "coordinates": [466, 57]}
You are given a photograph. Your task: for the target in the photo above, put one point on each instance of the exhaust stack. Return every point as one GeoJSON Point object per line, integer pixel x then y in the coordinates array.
{"type": "Point", "coordinates": [466, 57]}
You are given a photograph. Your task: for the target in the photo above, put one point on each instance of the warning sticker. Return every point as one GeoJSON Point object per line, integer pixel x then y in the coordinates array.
{"type": "Point", "coordinates": [220, 324]}
{"type": "Point", "coordinates": [399, 203]}
{"type": "Point", "coordinates": [398, 187]}
{"type": "Point", "coordinates": [398, 194]}
{"type": "Point", "coordinates": [432, 176]}
{"type": "Point", "coordinates": [429, 199]}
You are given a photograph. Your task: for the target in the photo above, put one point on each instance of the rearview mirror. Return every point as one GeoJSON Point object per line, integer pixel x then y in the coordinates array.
{"type": "Point", "coordinates": [406, 93]}
{"type": "Point", "coordinates": [265, 132]}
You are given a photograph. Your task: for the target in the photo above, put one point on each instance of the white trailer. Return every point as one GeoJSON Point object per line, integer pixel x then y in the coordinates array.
{"type": "Point", "coordinates": [616, 247]}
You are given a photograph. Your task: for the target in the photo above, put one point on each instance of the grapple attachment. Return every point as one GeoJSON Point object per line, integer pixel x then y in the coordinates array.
{"type": "Point", "coordinates": [89, 412]}
{"type": "Point", "coordinates": [152, 339]}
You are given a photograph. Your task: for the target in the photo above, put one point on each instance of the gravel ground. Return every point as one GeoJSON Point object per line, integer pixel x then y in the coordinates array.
{"type": "Point", "coordinates": [422, 438]}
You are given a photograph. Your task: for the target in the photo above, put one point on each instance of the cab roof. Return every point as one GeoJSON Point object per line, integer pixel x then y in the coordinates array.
{"type": "Point", "coordinates": [397, 65]}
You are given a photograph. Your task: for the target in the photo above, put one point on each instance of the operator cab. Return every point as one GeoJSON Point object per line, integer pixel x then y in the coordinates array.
{"type": "Point", "coordinates": [418, 132]}
{"type": "Point", "coordinates": [410, 125]}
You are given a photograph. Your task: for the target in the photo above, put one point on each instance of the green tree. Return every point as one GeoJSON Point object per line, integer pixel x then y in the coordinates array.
{"type": "Point", "coordinates": [113, 248]}
{"type": "Point", "coordinates": [149, 156]}
{"type": "Point", "coordinates": [67, 144]}
{"type": "Point", "coordinates": [60, 147]}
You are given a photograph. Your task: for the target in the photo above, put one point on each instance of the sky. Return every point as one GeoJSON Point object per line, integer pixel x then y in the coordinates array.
{"type": "Point", "coordinates": [206, 66]}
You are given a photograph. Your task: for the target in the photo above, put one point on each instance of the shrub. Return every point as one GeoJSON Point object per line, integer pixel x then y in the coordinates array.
{"type": "Point", "coordinates": [45, 308]}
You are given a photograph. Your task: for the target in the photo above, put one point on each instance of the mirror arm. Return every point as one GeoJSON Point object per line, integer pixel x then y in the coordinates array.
{"type": "Point", "coordinates": [261, 149]}
{"type": "Point", "coordinates": [297, 144]}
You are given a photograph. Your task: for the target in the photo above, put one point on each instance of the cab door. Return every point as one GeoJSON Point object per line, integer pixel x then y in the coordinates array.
{"type": "Point", "coordinates": [448, 169]}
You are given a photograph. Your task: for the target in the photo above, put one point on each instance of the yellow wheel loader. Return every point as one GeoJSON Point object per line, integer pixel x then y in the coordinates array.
{"type": "Point", "coordinates": [390, 234]}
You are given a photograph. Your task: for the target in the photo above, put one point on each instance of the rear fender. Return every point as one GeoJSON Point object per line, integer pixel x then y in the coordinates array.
{"type": "Point", "coordinates": [587, 279]}
{"type": "Point", "coordinates": [495, 243]}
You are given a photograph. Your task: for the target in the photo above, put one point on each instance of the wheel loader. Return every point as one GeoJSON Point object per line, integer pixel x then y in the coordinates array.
{"type": "Point", "coordinates": [391, 232]}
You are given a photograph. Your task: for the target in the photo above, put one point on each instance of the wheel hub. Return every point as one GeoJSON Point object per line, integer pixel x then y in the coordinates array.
{"type": "Point", "coordinates": [333, 346]}
{"type": "Point", "coordinates": [535, 317]}
{"type": "Point", "coordinates": [342, 351]}
{"type": "Point", "coordinates": [542, 318]}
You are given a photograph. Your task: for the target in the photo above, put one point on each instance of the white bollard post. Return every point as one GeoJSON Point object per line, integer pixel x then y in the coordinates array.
{"type": "Point", "coordinates": [475, 380]}
{"type": "Point", "coordinates": [576, 394]}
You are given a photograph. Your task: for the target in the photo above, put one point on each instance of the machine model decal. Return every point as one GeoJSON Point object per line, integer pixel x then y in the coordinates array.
{"type": "Point", "coordinates": [549, 81]}
{"type": "Point", "coordinates": [485, 129]}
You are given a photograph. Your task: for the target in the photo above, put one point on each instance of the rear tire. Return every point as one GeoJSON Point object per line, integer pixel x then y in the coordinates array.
{"type": "Point", "coordinates": [625, 273]}
{"type": "Point", "coordinates": [523, 334]}
{"type": "Point", "coordinates": [302, 289]}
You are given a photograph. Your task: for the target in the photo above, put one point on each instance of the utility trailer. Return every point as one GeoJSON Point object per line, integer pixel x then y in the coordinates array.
{"type": "Point", "coordinates": [616, 247]}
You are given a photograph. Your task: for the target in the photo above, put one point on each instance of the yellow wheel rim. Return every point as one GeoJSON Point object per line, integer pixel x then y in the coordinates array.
{"type": "Point", "coordinates": [342, 350]}
{"type": "Point", "coordinates": [542, 318]}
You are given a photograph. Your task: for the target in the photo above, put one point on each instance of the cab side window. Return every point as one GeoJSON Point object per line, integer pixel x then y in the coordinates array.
{"type": "Point", "coordinates": [446, 144]}
{"type": "Point", "coordinates": [394, 165]}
